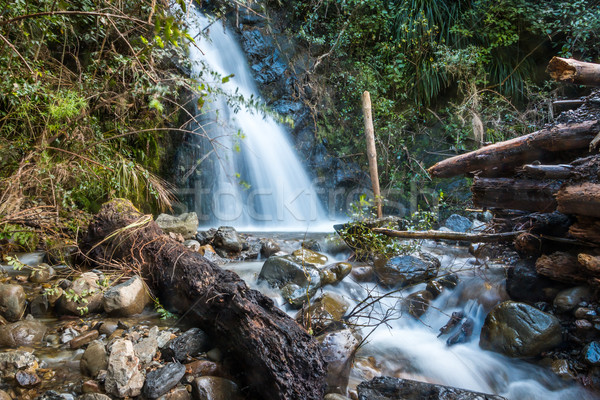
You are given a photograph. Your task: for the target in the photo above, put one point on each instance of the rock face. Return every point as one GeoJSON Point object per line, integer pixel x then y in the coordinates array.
{"type": "Point", "coordinates": [127, 298]}
{"type": "Point", "coordinates": [189, 343]}
{"type": "Point", "coordinates": [22, 333]}
{"type": "Point", "coordinates": [160, 381]}
{"type": "Point", "coordinates": [214, 388]}
{"type": "Point", "coordinates": [185, 224]}
{"type": "Point", "coordinates": [520, 330]}
{"type": "Point", "coordinates": [94, 359]}
{"type": "Point", "coordinates": [406, 270]}
{"type": "Point", "coordinates": [338, 351]}
{"type": "Point", "coordinates": [387, 388]}
{"type": "Point", "coordinates": [123, 378]}
{"type": "Point", "coordinates": [12, 302]}
{"type": "Point", "coordinates": [85, 287]}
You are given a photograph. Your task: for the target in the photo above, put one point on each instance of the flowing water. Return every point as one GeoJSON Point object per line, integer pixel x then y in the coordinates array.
{"type": "Point", "coordinates": [258, 181]}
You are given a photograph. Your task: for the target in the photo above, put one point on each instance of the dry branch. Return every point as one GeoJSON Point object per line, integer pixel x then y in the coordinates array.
{"type": "Point", "coordinates": [515, 194]}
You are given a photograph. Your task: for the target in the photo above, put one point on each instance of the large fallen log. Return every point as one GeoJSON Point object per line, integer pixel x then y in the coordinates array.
{"type": "Point", "coordinates": [582, 199]}
{"type": "Point", "coordinates": [520, 150]}
{"type": "Point", "coordinates": [269, 353]}
{"type": "Point", "coordinates": [573, 71]}
{"type": "Point", "coordinates": [442, 235]}
{"type": "Point", "coordinates": [561, 267]}
{"type": "Point", "coordinates": [516, 194]}
{"type": "Point", "coordinates": [586, 229]}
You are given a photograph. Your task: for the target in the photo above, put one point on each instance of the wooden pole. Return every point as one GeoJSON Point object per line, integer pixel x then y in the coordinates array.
{"type": "Point", "coordinates": [371, 151]}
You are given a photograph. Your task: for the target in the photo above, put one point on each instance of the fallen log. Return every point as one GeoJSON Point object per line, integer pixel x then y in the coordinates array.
{"type": "Point", "coordinates": [561, 267]}
{"type": "Point", "coordinates": [586, 229]}
{"type": "Point", "coordinates": [520, 150]}
{"type": "Point", "coordinates": [268, 352]}
{"type": "Point", "coordinates": [562, 171]}
{"type": "Point", "coordinates": [590, 263]}
{"type": "Point", "coordinates": [442, 235]}
{"type": "Point", "coordinates": [517, 194]}
{"type": "Point", "coordinates": [574, 71]}
{"type": "Point", "coordinates": [582, 199]}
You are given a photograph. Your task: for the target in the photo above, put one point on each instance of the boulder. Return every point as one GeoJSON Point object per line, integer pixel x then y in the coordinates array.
{"type": "Point", "coordinates": [311, 244]}
{"type": "Point", "coordinates": [523, 283]}
{"type": "Point", "coordinates": [127, 298]}
{"type": "Point", "coordinates": [42, 274]}
{"type": "Point", "coordinates": [269, 247]}
{"type": "Point", "coordinates": [520, 330]}
{"type": "Point", "coordinates": [187, 344]}
{"type": "Point", "coordinates": [185, 224]}
{"type": "Point", "coordinates": [417, 303]}
{"type": "Point", "coordinates": [338, 350]}
{"type": "Point", "coordinates": [324, 313]}
{"type": "Point", "coordinates": [214, 388]}
{"type": "Point", "coordinates": [334, 273]}
{"type": "Point", "coordinates": [387, 388]}
{"type": "Point", "coordinates": [123, 378]}
{"type": "Point", "coordinates": [458, 223]}
{"type": "Point", "coordinates": [94, 359]}
{"type": "Point", "coordinates": [591, 354]}
{"type": "Point", "coordinates": [160, 381]}
{"type": "Point", "coordinates": [28, 332]}
{"type": "Point", "coordinates": [297, 296]}
{"type": "Point", "coordinates": [307, 256]}
{"type": "Point", "coordinates": [82, 297]}
{"type": "Point", "coordinates": [568, 299]}
{"type": "Point", "coordinates": [12, 302]}
{"type": "Point", "coordinates": [406, 270]}
{"type": "Point", "coordinates": [227, 241]}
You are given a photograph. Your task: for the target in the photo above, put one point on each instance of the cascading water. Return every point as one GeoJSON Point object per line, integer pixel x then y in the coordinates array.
{"type": "Point", "coordinates": [258, 181]}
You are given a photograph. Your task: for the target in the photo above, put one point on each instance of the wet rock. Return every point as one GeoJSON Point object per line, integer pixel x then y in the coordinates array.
{"type": "Point", "coordinates": [22, 333]}
{"type": "Point", "coordinates": [585, 313]}
{"type": "Point", "coordinates": [11, 361]}
{"type": "Point", "coordinates": [387, 388]}
{"type": "Point", "coordinates": [523, 283]}
{"type": "Point", "coordinates": [520, 330]}
{"type": "Point", "coordinates": [27, 379]}
{"type": "Point", "coordinates": [448, 281]}
{"type": "Point", "coordinates": [417, 303]}
{"type": "Point", "coordinates": [206, 237]}
{"type": "Point", "coordinates": [335, 396]}
{"type": "Point", "coordinates": [591, 354]}
{"type": "Point", "coordinates": [296, 295]}
{"type": "Point", "coordinates": [324, 313]}
{"type": "Point", "coordinates": [192, 244]}
{"type": "Point", "coordinates": [227, 241]}
{"type": "Point", "coordinates": [123, 377]}
{"type": "Point", "coordinates": [334, 273]}
{"type": "Point", "coordinates": [464, 333]}
{"type": "Point", "coordinates": [306, 256]}
{"type": "Point", "coordinates": [279, 271]}
{"type": "Point", "coordinates": [187, 344]}
{"type": "Point", "coordinates": [53, 295]}
{"type": "Point", "coordinates": [12, 302]}
{"type": "Point", "coordinates": [458, 223]}
{"type": "Point", "coordinates": [127, 298]}
{"type": "Point", "coordinates": [434, 287]}
{"type": "Point", "coordinates": [42, 274]}
{"type": "Point", "coordinates": [583, 325]}
{"type": "Point", "coordinates": [93, 396]}
{"type": "Point", "coordinates": [563, 369]}
{"type": "Point", "coordinates": [214, 388]}
{"type": "Point", "coordinates": [455, 319]}
{"type": "Point", "coordinates": [83, 339]}
{"type": "Point", "coordinates": [311, 244]}
{"type": "Point", "coordinates": [178, 237]}
{"type": "Point", "coordinates": [363, 274]}
{"type": "Point", "coordinates": [160, 381]}
{"type": "Point", "coordinates": [210, 254]}
{"type": "Point", "coordinates": [94, 359]}
{"type": "Point", "coordinates": [215, 355]}
{"type": "Point", "coordinates": [338, 350]}
{"type": "Point", "coordinates": [185, 224]}
{"type": "Point", "coordinates": [334, 245]}
{"type": "Point", "coordinates": [203, 368]}
{"type": "Point", "coordinates": [54, 395]}
{"type": "Point", "coordinates": [566, 300]}
{"type": "Point", "coordinates": [146, 348]}
{"type": "Point", "coordinates": [82, 297]}
{"type": "Point", "coordinates": [406, 270]}
{"type": "Point", "coordinates": [108, 327]}
{"type": "Point", "coordinates": [269, 247]}
{"type": "Point", "coordinates": [177, 393]}
{"type": "Point", "coordinates": [90, 386]}
{"type": "Point", "coordinates": [39, 306]}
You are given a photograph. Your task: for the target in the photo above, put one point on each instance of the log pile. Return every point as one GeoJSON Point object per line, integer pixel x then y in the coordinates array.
{"type": "Point", "coordinates": [546, 185]}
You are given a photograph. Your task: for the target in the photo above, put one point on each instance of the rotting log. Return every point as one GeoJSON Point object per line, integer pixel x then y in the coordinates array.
{"type": "Point", "coordinates": [574, 71]}
{"type": "Point", "coordinates": [517, 194]}
{"type": "Point", "coordinates": [561, 267]}
{"type": "Point", "coordinates": [582, 199]}
{"type": "Point", "coordinates": [520, 150]}
{"type": "Point", "coordinates": [442, 235]}
{"type": "Point", "coordinates": [586, 229]}
{"type": "Point", "coordinates": [590, 263]}
{"type": "Point", "coordinates": [265, 349]}
{"type": "Point", "coordinates": [562, 171]}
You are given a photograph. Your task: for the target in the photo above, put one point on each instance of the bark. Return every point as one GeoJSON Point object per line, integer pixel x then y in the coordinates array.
{"type": "Point", "coordinates": [573, 71]}
{"type": "Point", "coordinates": [562, 171]}
{"type": "Point", "coordinates": [271, 355]}
{"type": "Point", "coordinates": [528, 245]}
{"type": "Point", "coordinates": [590, 263]}
{"type": "Point", "coordinates": [441, 235]}
{"type": "Point", "coordinates": [561, 267]}
{"type": "Point", "coordinates": [371, 150]}
{"type": "Point", "coordinates": [586, 229]}
{"type": "Point", "coordinates": [582, 199]}
{"type": "Point", "coordinates": [520, 150]}
{"type": "Point", "coordinates": [516, 194]}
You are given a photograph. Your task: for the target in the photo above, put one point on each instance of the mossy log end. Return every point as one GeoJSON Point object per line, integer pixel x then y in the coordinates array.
{"type": "Point", "coordinates": [269, 353]}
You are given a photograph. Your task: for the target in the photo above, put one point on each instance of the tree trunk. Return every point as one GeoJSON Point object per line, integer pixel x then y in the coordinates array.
{"type": "Point", "coordinates": [583, 199]}
{"type": "Point", "coordinates": [371, 150]}
{"type": "Point", "coordinates": [517, 194]}
{"type": "Point", "coordinates": [561, 267]}
{"type": "Point", "coordinates": [269, 353]}
{"type": "Point", "coordinates": [520, 150]}
{"type": "Point", "coordinates": [441, 235]}
{"type": "Point", "coordinates": [573, 71]}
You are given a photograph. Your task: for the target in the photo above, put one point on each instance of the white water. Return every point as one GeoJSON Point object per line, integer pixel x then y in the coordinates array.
{"type": "Point", "coordinates": [260, 183]}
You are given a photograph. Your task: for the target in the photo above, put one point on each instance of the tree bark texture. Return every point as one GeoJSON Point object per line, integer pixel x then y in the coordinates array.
{"type": "Point", "coordinates": [582, 199]}
{"type": "Point", "coordinates": [520, 150]}
{"type": "Point", "coordinates": [269, 353]}
{"type": "Point", "coordinates": [574, 71]}
{"type": "Point", "coordinates": [561, 267]}
{"type": "Point", "coordinates": [517, 194]}
{"type": "Point", "coordinates": [371, 150]}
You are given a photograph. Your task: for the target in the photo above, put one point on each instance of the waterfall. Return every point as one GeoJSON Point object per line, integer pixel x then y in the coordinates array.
{"type": "Point", "coordinates": [258, 181]}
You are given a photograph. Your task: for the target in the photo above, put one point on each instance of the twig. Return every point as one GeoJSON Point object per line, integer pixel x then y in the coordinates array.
{"type": "Point", "coordinates": [13, 48]}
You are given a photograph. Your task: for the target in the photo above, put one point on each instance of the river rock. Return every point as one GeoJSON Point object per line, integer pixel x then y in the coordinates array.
{"type": "Point", "coordinates": [39, 306]}
{"type": "Point", "coordinates": [335, 396]}
{"type": "Point", "coordinates": [296, 280]}
{"type": "Point", "coordinates": [146, 348]}
{"type": "Point", "coordinates": [591, 354]}
{"type": "Point", "coordinates": [324, 313]}
{"type": "Point", "coordinates": [458, 223]}
{"type": "Point", "coordinates": [192, 244]}
{"type": "Point", "coordinates": [269, 247]}
{"type": "Point", "coordinates": [387, 388]}
{"type": "Point", "coordinates": [406, 270]}
{"type": "Point", "coordinates": [93, 396]}
{"type": "Point", "coordinates": [83, 339]}
{"type": "Point", "coordinates": [307, 256]}
{"type": "Point", "coordinates": [203, 368]}
{"type": "Point", "coordinates": [214, 388]}
{"type": "Point", "coordinates": [334, 245]}
{"type": "Point", "coordinates": [160, 381]}
{"type": "Point", "coordinates": [334, 273]}
{"type": "Point", "coordinates": [94, 359]}
{"type": "Point", "coordinates": [11, 361]}
{"type": "Point", "coordinates": [363, 274]}
{"type": "Point", "coordinates": [187, 344]}
{"type": "Point", "coordinates": [311, 244]}
{"type": "Point", "coordinates": [338, 350]}
{"type": "Point", "coordinates": [27, 379]}
{"type": "Point", "coordinates": [563, 369]}
{"type": "Point", "coordinates": [417, 303]}
{"type": "Point", "coordinates": [434, 287]}
{"type": "Point", "coordinates": [126, 299]}
{"type": "Point", "coordinates": [42, 273]}
{"type": "Point", "coordinates": [28, 332]}
{"type": "Point", "coordinates": [211, 255]}
{"type": "Point", "coordinates": [177, 393]}
{"type": "Point", "coordinates": [523, 283]}
{"type": "Point", "coordinates": [82, 297]}
{"type": "Point", "coordinates": [185, 224]}
{"type": "Point", "coordinates": [227, 241]}
{"type": "Point", "coordinates": [123, 378]}
{"type": "Point", "coordinates": [520, 330]}
{"type": "Point", "coordinates": [12, 302]}
{"type": "Point", "coordinates": [568, 299]}
{"type": "Point", "coordinates": [4, 395]}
